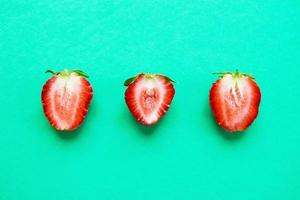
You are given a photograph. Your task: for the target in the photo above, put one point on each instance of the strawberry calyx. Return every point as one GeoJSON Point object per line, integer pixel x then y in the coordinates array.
{"type": "Point", "coordinates": [67, 73]}
{"type": "Point", "coordinates": [147, 76]}
{"type": "Point", "coordinates": [235, 74]}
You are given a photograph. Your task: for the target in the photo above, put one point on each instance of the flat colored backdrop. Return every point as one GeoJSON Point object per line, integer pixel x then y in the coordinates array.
{"type": "Point", "coordinates": [186, 155]}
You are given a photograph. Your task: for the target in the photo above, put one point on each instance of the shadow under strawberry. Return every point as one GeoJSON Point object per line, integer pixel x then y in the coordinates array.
{"type": "Point", "coordinates": [69, 135]}
{"type": "Point", "coordinates": [230, 136]}
{"type": "Point", "coordinates": [147, 130]}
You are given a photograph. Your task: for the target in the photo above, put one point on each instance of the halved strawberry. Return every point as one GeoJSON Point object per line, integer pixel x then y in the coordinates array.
{"type": "Point", "coordinates": [234, 100]}
{"type": "Point", "coordinates": [66, 97]}
{"type": "Point", "coordinates": [149, 96]}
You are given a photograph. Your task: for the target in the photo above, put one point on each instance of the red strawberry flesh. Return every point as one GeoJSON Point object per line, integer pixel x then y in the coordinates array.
{"type": "Point", "coordinates": [66, 98]}
{"type": "Point", "coordinates": [234, 101]}
{"type": "Point", "coordinates": [148, 97]}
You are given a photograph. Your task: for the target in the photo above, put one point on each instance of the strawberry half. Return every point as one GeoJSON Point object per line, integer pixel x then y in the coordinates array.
{"type": "Point", "coordinates": [148, 97]}
{"type": "Point", "coordinates": [66, 97]}
{"type": "Point", "coordinates": [234, 100]}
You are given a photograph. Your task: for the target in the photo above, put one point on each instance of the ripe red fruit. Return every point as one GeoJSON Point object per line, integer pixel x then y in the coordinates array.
{"type": "Point", "coordinates": [148, 97]}
{"type": "Point", "coordinates": [234, 100]}
{"type": "Point", "coordinates": [66, 97]}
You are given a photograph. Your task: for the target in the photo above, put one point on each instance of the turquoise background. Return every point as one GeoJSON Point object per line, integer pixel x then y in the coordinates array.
{"type": "Point", "coordinates": [186, 155]}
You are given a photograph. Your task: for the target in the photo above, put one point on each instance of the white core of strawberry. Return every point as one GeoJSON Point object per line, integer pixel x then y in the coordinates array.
{"type": "Point", "coordinates": [149, 85]}
{"type": "Point", "coordinates": [62, 89]}
{"type": "Point", "coordinates": [236, 93]}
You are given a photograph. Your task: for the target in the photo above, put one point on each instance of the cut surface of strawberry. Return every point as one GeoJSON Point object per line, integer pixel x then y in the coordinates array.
{"type": "Point", "coordinates": [234, 100]}
{"type": "Point", "coordinates": [66, 97]}
{"type": "Point", "coordinates": [149, 96]}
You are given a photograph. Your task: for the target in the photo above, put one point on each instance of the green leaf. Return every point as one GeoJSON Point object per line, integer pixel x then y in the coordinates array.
{"type": "Point", "coordinates": [169, 79]}
{"type": "Point", "coordinates": [81, 73]}
{"type": "Point", "coordinates": [130, 80]}
{"type": "Point", "coordinates": [221, 73]}
{"type": "Point", "coordinates": [51, 72]}
{"type": "Point", "coordinates": [250, 76]}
